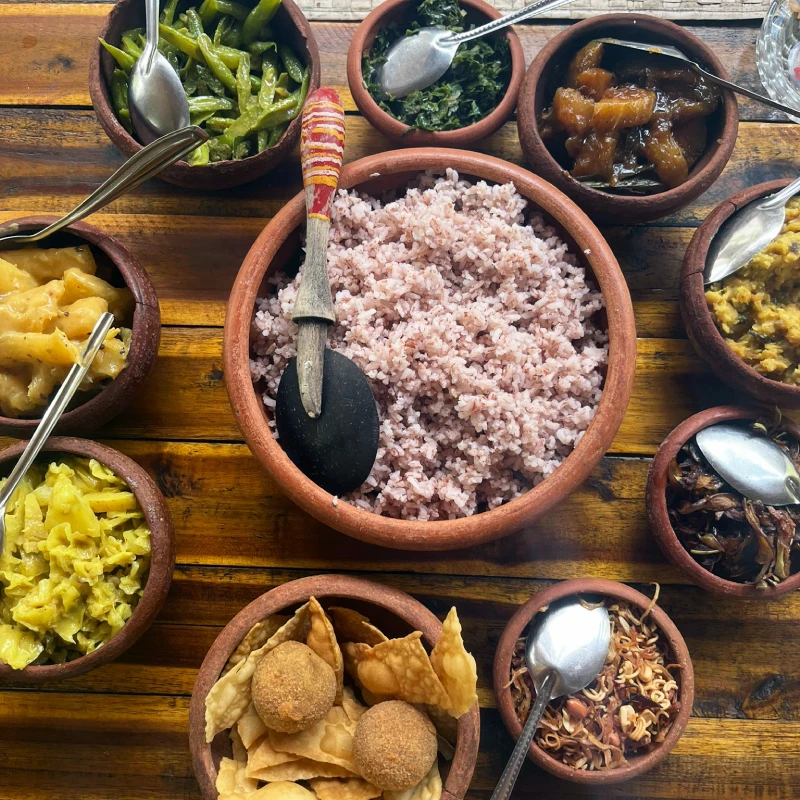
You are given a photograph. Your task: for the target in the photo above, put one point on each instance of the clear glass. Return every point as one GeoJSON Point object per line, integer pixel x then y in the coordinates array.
{"type": "Point", "coordinates": [778, 53]}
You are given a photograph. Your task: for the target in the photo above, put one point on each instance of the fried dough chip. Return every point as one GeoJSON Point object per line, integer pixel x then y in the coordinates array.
{"type": "Point", "coordinates": [455, 667]}
{"type": "Point", "coordinates": [350, 626]}
{"type": "Point", "coordinates": [282, 790]}
{"type": "Point", "coordinates": [231, 779]}
{"type": "Point", "coordinates": [302, 770]}
{"type": "Point", "coordinates": [230, 696]}
{"type": "Point", "coordinates": [344, 789]}
{"type": "Point", "coordinates": [322, 640]}
{"type": "Point", "coordinates": [239, 750]}
{"type": "Point", "coordinates": [264, 756]}
{"type": "Point", "coordinates": [351, 706]}
{"type": "Point", "coordinates": [250, 727]}
{"type": "Point", "coordinates": [329, 740]}
{"type": "Point", "coordinates": [429, 788]}
{"type": "Point", "coordinates": [256, 637]}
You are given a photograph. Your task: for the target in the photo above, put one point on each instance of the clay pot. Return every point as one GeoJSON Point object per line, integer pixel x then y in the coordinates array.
{"type": "Point", "coordinates": [395, 612]}
{"type": "Point", "coordinates": [637, 764]}
{"type": "Point", "coordinates": [660, 524]}
{"type": "Point", "coordinates": [544, 76]}
{"type": "Point", "coordinates": [280, 241]}
{"type": "Point", "coordinates": [290, 26]}
{"type": "Point", "coordinates": [700, 326]}
{"type": "Point", "coordinates": [162, 557]}
{"type": "Point", "coordinates": [478, 13]}
{"type": "Point", "coordinates": [118, 266]}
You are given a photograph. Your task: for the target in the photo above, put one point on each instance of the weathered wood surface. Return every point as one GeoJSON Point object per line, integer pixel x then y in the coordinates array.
{"type": "Point", "coordinates": [120, 732]}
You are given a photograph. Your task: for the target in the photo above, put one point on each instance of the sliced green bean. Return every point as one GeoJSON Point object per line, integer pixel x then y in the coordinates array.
{"type": "Point", "coordinates": [233, 36]}
{"type": "Point", "coordinates": [241, 149]}
{"type": "Point", "coordinates": [125, 60]}
{"type": "Point", "coordinates": [219, 150]}
{"type": "Point", "coordinates": [266, 94]}
{"type": "Point", "coordinates": [219, 124]}
{"type": "Point", "coordinates": [222, 26]}
{"type": "Point", "coordinates": [168, 14]}
{"type": "Point", "coordinates": [259, 48]}
{"type": "Point", "coordinates": [210, 8]}
{"type": "Point", "coordinates": [210, 103]}
{"type": "Point", "coordinates": [291, 63]}
{"type": "Point", "coordinates": [262, 141]}
{"type": "Point", "coordinates": [130, 47]}
{"type": "Point", "coordinates": [199, 157]}
{"type": "Point", "coordinates": [282, 85]}
{"type": "Point", "coordinates": [276, 134]}
{"type": "Point", "coordinates": [215, 63]}
{"type": "Point", "coordinates": [185, 43]}
{"type": "Point", "coordinates": [207, 78]}
{"type": "Point", "coordinates": [243, 88]}
{"type": "Point", "coordinates": [194, 23]}
{"type": "Point", "coordinates": [119, 98]}
{"type": "Point", "coordinates": [258, 18]}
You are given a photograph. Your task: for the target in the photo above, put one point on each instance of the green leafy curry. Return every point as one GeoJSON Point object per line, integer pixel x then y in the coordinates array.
{"type": "Point", "coordinates": [465, 94]}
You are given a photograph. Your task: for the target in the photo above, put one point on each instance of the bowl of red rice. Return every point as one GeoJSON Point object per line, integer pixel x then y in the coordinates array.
{"type": "Point", "coordinates": [492, 321]}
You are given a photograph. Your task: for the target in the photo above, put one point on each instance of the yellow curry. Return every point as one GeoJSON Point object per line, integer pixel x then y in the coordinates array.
{"type": "Point", "coordinates": [74, 563]}
{"type": "Point", "coordinates": [757, 309]}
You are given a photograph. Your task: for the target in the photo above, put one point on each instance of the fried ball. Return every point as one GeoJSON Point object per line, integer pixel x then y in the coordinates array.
{"type": "Point", "coordinates": [394, 745]}
{"type": "Point", "coordinates": [293, 688]}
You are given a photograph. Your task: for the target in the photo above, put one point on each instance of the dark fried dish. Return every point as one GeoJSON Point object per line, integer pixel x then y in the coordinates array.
{"type": "Point", "coordinates": [628, 122]}
{"type": "Point", "coordinates": [732, 537]}
{"type": "Point", "coordinates": [628, 709]}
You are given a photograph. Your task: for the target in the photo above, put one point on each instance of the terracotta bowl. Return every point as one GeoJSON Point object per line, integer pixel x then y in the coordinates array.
{"type": "Point", "coordinates": [637, 765]}
{"type": "Point", "coordinates": [290, 26]}
{"type": "Point", "coordinates": [478, 13]}
{"type": "Point", "coordinates": [395, 612]}
{"type": "Point", "coordinates": [700, 326]}
{"type": "Point", "coordinates": [280, 242]}
{"type": "Point", "coordinates": [162, 559]}
{"type": "Point", "coordinates": [543, 78]}
{"type": "Point", "coordinates": [659, 518]}
{"type": "Point", "coordinates": [117, 265]}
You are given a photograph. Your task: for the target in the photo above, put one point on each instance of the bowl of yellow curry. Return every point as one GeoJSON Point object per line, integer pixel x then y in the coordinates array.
{"type": "Point", "coordinates": [87, 562]}
{"type": "Point", "coordinates": [747, 327]}
{"type": "Point", "coordinates": [51, 295]}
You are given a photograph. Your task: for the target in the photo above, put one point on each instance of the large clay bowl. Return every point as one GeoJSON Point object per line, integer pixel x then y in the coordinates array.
{"type": "Point", "coordinates": [289, 24]}
{"type": "Point", "coordinates": [700, 326]}
{"type": "Point", "coordinates": [543, 78]}
{"type": "Point", "coordinates": [637, 765]}
{"type": "Point", "coordinates": [395, 612]}
{"type": "Point", "coordinates": [478, 13]}
{"type": "Point", "coordinates": [280, 240]}
{"type": "Point", "coordinates": [162, 557]}
{"type": "Point", "coordinates": [117, 265]}
{"type": "Point", "coordinates": [658, 516]}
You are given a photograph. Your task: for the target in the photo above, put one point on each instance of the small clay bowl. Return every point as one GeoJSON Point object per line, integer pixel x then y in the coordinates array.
{"type": "Point", "coordinates": [393, 611]}
{"type": "Point", "coordinates": [637, 764]}
{"type": "Point", "coordinates": [478, 13]}
{"type": "Point", "coordinates": [544, 76]}
{"type": "Point", "coordinates": [290, 26]}
{"type": "Point", "coordinates": [162, 556]}
{"type": "Point", "coordinates": [117, 265]}
{"type": "Point", "coordinates": [658, 516]}
{"type": "Point", "coordinates": [280, 245]}
{"type": "Point", "coordinates": [700, 325]}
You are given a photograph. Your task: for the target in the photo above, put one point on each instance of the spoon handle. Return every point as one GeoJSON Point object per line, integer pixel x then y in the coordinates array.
{"type": "Point", "coordinates": [53, 412]}
{"type": "Point", "coordinates": [151, 8]}
{"type": "Point", "coordinates": [781, 197]}
{"type": "Point", "coordinates": [321, 155]}
{"type": "Point", "coordinates": [532, 10]}
{"type": "Point", "coordinates": [510, 774]}
{"type": "Point", "coordinates": [136, 170]}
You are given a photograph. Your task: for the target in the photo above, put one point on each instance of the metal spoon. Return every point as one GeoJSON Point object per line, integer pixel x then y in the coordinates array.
{"type": "Point", "coordinates": [417, 61]}
{"type": "Point", "coordinates": [750, 462]}
{"type": "Point", "coordinates": [136, 170]}
{"type": "Point", "coordinates": [156, 97]}
{"type": "Point", "coordinates": [565, 650]}
{"type": "Point", "coordinates": [672, 52]}
{"type": "Point", "coordinates": [53, 413]}
{"type": "Point", "coordinates": [747, 232]}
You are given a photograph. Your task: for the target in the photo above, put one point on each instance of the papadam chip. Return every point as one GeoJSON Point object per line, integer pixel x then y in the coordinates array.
{"type": "Point", "coordinates": [302, 770]}
{"type": "Point", "coordinates": [265, 756]}
{"type": "Point", "coordinates": [282, 790]}
{"type": "Point", "coordinates": [231, 778]}
{"type": "Point", "coordinates": [455, 667]}
{"type": "Point", "coordinates": [344, 789]}
{"type": "Point", "coordinates": [250, 726]}
{"type": "Point", "coordinates": [350, 626]}
{"type": "Point", "coordinates": [429, 788]}
{"type": "Point", "coordinates": [329, 740]}
{"type": "Point", "coordinates": [322, 640]}
{"type": "Point", "coordinates": [256, 637]}
{"type": "Point", "coordinates": [230, 696]}
{"type": "Point", "coordinates": [351, 706]}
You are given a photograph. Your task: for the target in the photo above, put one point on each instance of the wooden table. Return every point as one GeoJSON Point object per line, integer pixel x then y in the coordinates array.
{"type": "Point", "coordinates": [120, 731]}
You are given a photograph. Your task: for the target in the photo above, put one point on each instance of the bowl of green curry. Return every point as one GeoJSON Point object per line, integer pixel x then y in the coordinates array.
{"type": "Point", "coordinates": [469, 102]}
{"type": "Point", "coordinates": [246, 67]}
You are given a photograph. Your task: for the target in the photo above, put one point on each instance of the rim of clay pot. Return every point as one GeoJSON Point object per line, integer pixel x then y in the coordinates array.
{"type": "Point", "coordinates": [400, 132]}
{"type": "Point", "coordinates": [220, 174]}
{"type": "Point", "coordinates": [600, 204]}
{"type": "Point", "coordinates": [450, 534]}
{"type": "Point", "coordinates": [402, 605]}
{"type": "Point", "coordinates": [700, 326]}
{"type": "Point", "coordinates": [658, 515]}
{"type": "Point", "coordinates": [637, 765]}
{"type": "Point", "coordinates": [162, 559]}
{"type": "Point", "coordinates": [145, 327]}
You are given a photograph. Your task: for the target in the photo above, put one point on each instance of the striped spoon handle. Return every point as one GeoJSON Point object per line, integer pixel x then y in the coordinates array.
{"type": "Point", "coordinates": [321, 154]}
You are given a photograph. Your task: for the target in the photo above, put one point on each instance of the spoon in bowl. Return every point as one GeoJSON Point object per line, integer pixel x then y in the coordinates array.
{"type": "Point", "coordinates": [156, 97]}
{"type": "Point", "coordinates": [52, 415]}
{"type": "Point", "coordinates": [417, 61]}
{"type": "Point", "coordinates": [565, 650]}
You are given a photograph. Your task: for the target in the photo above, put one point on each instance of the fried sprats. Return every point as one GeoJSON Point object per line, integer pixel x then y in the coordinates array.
{"type": "Point", "coordinates": [626, 710]}
{"type": "Point", "coordinates": [734, 538]}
